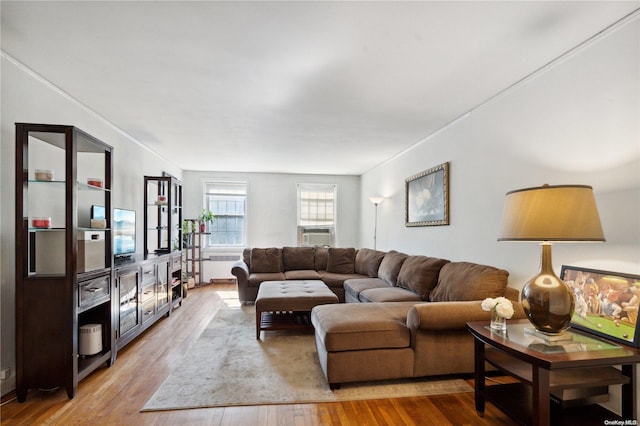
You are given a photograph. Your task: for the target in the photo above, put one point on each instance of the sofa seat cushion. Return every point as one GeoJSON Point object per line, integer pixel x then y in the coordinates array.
{"type": "Point", "coordinates": [337, 280]}
{"type": "Point", "coordinates": [388, 294]}
{"type": "Point", "coordinates": [303, 274]}
{"type": "Point", "coordinates": [256, 278]}
{"type": "Point", "coordinates": [361, 326]}
{"type": "Point", "coordinates": [461, 281]}
{"type": "Point", "coordinates": [354, 286]}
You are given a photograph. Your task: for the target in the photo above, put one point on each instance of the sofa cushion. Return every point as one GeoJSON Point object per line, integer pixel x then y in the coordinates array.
{"type": "Point", "coordinates": [368, 261]}
{"type": "Point", "coordinates": [388, 294]}
{"type": "Point", "coordinates": [255, 279]}
{"type": "Point", "coordinates": [266, 260]}
{"type": "Point", "coordinates": [354, 286]}
{"type": "Point", "coordinates": [390, 266]}
{"type": "Point", "coordinates": [461, 281]}
{"type": "Point", "coordinates": [298, 258]}
{"type": "Point", "coordinates": [302, 274]}
{"type": "Point", "coordinates": [320, 258]}
{"type": "Point", "coordinates": [420, 274]}
{"type": "Point", "coordinates": [341, 260]}
{"type": "Point", "coordinates": [337, 280]}
{"type": "Point", "coordinates": [359, 326]}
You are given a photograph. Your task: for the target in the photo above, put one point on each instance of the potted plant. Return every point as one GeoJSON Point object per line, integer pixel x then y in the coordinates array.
{"type": "Point", "coordinates": [205, 217]}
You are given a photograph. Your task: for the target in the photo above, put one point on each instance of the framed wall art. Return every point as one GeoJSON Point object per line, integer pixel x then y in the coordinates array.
{"type": "Point", "coordinates": [427, 197]}
{"type": "Point", "coordinates": [606, 303]}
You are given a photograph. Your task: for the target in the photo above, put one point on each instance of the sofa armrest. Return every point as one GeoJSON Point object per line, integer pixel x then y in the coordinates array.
{"type": "Point", "coordinates": [451, 315]}
{"type": "Point", "coordinates": [241, 271]}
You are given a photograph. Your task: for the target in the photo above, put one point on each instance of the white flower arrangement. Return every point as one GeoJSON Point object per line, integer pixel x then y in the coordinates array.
{"type": "Point", "coordinates": [501, 305]}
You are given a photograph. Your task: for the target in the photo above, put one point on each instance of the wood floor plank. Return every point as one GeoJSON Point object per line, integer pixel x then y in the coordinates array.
{"type": "Point", "coordinates": [116, 394]}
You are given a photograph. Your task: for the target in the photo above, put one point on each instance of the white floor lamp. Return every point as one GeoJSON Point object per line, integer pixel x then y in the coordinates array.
{"type": "Point", "coordinates": [375, 201]}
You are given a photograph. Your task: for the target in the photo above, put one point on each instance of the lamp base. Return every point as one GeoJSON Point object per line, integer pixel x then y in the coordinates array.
{"type": "Point", "coordinates": [546, 299]}
{"type": "Point", "coordinates": [549, 338]}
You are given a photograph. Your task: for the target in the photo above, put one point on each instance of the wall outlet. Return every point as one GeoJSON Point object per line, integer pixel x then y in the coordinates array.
{"type": "Point", "coordinates": [5, 373]}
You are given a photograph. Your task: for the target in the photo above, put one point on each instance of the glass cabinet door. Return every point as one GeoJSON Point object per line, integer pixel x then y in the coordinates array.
{"type": "Point", "coordinates": [163, 284]}
{"type": "Point", "coordinates": [157, 218]}
{"type": "Point", "coordinates": [128, 296]}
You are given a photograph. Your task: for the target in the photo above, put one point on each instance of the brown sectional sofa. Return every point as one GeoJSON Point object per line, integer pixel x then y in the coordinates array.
{"type": "Point", "coordinates": [331, 265]}
{"type": "Point", "coordinates": [405, 315]}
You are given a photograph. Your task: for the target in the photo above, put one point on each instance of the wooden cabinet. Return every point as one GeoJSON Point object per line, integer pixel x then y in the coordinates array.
{"type": "Point", "coordinates": [145, 287]}
{"type": "Point", "coordinates": [63, 266]}
{"type": "Point", "coordinates": [163, 235]}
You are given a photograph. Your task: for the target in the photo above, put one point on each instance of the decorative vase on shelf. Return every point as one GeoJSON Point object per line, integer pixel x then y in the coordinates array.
{"type": "Point", "coordinates": [203, 227]}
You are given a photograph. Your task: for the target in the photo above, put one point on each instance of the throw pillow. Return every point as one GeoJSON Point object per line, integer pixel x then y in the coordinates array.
{"type": "Point", "coordinates": [341, 260]}
{"type": "Point", "coordinates": [368, 262]}
{"type": "Point", "coordinates": [390, 267]}
{"type": "Point", "coordinates": [298, 258]}
{"type": "Point", "coordinates": [266, 260]}
{"type": "Point", "coordinates": [461, 281]}
{"type": "Point", "coordinates": [420, 274]}
{"type": "Point", "coordinates": [320, 258]}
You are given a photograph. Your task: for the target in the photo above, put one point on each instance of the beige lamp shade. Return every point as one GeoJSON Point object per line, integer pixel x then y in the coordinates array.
{"type": "Point", "coordinates": [376, 200]}
{"type": "Point", "coordinates": [551, 213]}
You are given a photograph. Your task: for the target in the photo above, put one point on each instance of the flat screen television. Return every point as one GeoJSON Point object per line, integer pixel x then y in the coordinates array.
{"type": "Point", "coordinates": [124, 232]}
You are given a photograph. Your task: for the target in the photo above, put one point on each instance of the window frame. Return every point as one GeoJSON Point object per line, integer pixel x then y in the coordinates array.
{"type": "Point", "coordinates": [208, 183]}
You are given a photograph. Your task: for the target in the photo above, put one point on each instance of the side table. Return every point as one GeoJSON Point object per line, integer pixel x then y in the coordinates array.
{"type": "Point", "coordinates": [548, 372]}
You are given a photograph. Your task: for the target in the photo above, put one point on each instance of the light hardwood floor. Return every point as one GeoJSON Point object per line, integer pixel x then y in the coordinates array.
{"type": "Point", "coordinates": [114, 396]}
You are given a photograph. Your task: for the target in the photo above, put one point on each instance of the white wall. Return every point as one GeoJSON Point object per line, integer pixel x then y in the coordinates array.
{"type": "Point", "coordinates": [577, 122]}
{"type": "Point", "coordinates": [27, 98]}
{"type": "Point", "coordinates": [271, 208]}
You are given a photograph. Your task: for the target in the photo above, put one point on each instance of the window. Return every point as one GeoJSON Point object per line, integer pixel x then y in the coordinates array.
{"type": "Point", "coordinates": [316, 214]}
{"type": "Point", "coordinates": [228, 202]}
{"type": "Point", "coordinates": [316, 205]}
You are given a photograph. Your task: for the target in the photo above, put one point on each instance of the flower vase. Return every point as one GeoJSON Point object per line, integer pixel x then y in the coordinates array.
{"type": "Point", "coordinates": [498, 323]}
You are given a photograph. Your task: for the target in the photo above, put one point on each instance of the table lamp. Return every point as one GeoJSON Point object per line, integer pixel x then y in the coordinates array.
{"type": "Point", "coordinates": [562, 213]}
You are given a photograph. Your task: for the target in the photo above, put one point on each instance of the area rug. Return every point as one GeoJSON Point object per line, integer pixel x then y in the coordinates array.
{"type": "Point", "coordinates": [228, 366]}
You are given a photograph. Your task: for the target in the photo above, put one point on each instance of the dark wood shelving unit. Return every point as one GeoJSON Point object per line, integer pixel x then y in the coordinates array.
{"type": "Point", "coordinates": [163, 235]}
{"type": "Point", "coordinates": [63, 266]}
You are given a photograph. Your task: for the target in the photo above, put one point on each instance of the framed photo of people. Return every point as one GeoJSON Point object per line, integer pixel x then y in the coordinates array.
{"type": "Point", "coordinates": [427, 197]}
{"type": "Point", "coordinates": [606, 303]}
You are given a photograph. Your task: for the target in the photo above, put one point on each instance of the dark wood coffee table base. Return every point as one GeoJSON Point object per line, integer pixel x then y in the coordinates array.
{"type": "Point", "coordinates": [285, 321]}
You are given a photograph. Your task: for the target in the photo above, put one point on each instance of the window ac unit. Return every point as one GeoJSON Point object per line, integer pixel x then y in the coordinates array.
{"type": "Point", "coordinates": [314, 236]}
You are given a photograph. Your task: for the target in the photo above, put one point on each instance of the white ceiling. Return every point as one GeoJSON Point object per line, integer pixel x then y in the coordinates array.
{"type": "Point", "coordinates": [298, 87]}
